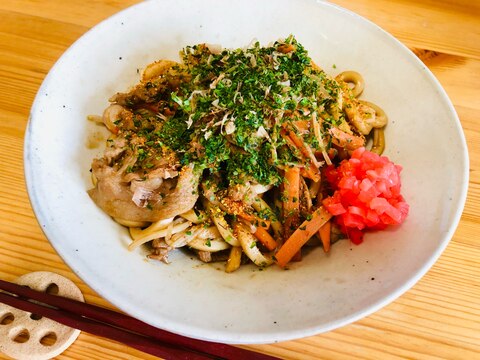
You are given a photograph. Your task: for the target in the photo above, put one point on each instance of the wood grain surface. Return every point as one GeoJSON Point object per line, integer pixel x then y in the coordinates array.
{"type": "Point", "coordinates": [439, 318]}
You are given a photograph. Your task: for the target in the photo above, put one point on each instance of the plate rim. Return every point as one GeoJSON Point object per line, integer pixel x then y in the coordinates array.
{"type": "Point", "coordinates": [254, 338]}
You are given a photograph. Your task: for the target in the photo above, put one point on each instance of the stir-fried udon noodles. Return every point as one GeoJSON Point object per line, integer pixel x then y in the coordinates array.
{"type": "Point", "coordinates": [223, 153]}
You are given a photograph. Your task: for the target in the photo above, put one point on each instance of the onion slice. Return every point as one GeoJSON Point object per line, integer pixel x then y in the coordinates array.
{"type": "Point", "coordinates": [249, 246]}
{"type": "Point", "coordinates": [222, 225]}
{"type": "Point", "coordinates": [142, 236]}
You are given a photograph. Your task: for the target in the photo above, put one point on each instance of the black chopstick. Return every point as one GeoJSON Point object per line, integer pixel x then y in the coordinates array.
{"type": "Point", "coordinates": [116, 326]}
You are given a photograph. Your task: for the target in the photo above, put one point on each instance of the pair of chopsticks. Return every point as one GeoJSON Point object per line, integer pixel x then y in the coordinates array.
{"type": "Point", "coordinates": [119, 327]}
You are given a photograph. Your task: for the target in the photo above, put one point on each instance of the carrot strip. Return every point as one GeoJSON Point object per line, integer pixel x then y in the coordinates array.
{"type": "Point", "coordinates": [292, 179]}
{"type": "Point", "coordinates": [324, 234]}
{"type": "Point", "coordinates": [291, 144]}
{"type": "Point", "coordinates": [291, 204]}
{"type": "Point", "coordinates": [304, 148]}
{"type": "Point", "coordinates": [255, 220]}
{"type": "Point", "coordinates": [311, 172]}
{"type": "Point", "coordinates": [301, 125]}
{"type": "Point", "coordinates": [295, 242]}
{"type": "Point", "coordinates": [265, 238]}
{"type": "Point", "coordinates": [308, 171]}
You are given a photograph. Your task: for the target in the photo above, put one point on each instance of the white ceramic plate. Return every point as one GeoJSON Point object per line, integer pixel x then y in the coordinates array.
{"type": "Point", "coordinates": [250, 306]}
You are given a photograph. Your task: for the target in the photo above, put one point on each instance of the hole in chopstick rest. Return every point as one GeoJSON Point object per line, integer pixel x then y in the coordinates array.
{"type": "Point", "coordinates": [22, 337]}
{"type": "Point", "coordinates": [52, 289]}
{"type": "Point", "coordinates": [35, 316]}
{"type": "Point", "coordinates": [7, 319]}
{"type": "Point", "coordinates": [49, 339]}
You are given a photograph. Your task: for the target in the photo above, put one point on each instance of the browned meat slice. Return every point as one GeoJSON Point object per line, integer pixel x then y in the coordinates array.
{"type": "Point", "coordinates": [114, 195]}
{"type": "Point", "coordinates": [205, 256]}
{"type": "Point", "coordinates": [160, 251]}
{"type": "Point", "coordinates": [114, 149]}
{"type": "Point", "coordinates": [159, 78]}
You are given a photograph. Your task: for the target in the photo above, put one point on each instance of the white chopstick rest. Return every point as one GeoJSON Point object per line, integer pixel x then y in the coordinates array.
{"type": "Point", "coordinates": [24, 335]}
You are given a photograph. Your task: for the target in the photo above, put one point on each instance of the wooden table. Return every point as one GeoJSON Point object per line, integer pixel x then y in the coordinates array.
{"type": "Point", "coordinates": [438, 318]}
